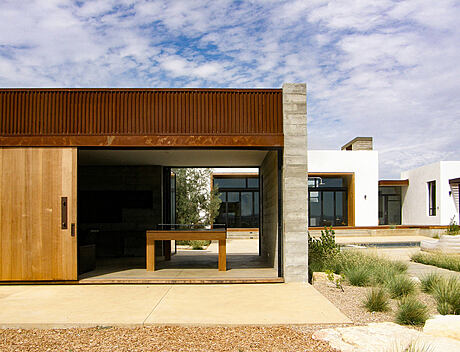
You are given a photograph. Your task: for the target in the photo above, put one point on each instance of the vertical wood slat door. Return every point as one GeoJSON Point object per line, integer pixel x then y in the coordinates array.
{"type": "Point", "coordinates": [33, 246]}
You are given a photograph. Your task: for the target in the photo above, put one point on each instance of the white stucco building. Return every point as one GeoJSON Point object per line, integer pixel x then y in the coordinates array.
{"type": "Point", "coordinates": [432, 194]}
{"type": "Point", "coordinates": [360, 170]}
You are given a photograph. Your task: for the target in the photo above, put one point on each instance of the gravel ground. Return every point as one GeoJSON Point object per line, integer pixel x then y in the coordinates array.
{"type": "Point", "coordinates": [350, 303]}
{"type": "Point", "coordinates": [239, 339]}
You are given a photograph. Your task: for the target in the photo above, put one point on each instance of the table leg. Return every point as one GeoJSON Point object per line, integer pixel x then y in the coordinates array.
{"type": "Point", "coordinates": [167, 249]}
{"type": "Point", "coordinates": [150, 255]}
{"type": "Point", "coordinates": [222, 255]}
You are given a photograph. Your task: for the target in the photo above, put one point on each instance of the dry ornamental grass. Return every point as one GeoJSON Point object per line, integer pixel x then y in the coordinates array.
{"type": "Point", "coordinates": [350, 303]}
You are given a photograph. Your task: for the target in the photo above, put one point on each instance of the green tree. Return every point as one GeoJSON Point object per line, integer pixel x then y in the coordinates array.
{"type": "Point", "coordinates": [196, 203]}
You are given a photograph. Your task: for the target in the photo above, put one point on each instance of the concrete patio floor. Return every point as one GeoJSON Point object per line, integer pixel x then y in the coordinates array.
{"type": "Point", "coordinates": [63, 306]}
{"type": "Point", "coordinates": [243, 262]}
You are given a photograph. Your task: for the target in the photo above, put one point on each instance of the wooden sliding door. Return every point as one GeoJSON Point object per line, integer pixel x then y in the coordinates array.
{"type": "Point", "coordinates": [38, 214]}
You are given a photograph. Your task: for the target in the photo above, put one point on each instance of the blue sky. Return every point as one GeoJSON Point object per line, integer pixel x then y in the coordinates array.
{"type": "Point", "coordinates": [387, 69]}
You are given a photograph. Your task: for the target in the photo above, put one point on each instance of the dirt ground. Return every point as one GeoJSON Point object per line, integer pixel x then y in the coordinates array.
{"type": "Point", "coordinates": [237, 339]}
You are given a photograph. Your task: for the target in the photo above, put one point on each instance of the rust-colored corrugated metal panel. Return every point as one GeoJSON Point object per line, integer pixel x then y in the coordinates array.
{"type": "Point", "coordinates": [65, 116]}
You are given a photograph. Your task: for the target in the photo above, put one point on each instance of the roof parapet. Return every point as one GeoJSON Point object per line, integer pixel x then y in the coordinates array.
{"type": "Point", "coordinates": [359, 143]}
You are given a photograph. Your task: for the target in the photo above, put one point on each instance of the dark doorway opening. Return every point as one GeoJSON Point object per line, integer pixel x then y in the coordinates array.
{"type": "Point", "coordinates": [116, 205]}
{"type": "Point", "coordinates": [389, 205]}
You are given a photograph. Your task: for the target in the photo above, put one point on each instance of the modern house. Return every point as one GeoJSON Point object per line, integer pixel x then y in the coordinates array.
{"type": "Point", "coordinates": [344, 191]}
{"type": "Point", "coordinates": [91, 168]}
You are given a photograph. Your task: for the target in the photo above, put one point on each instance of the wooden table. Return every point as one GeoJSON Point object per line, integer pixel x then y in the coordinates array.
{"type": "Point", "coordinates": [186, 235]}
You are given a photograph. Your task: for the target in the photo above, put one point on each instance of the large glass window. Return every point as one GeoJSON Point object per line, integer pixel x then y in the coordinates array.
{"type": "Point", "coordinates": [240, 201]}
{"type": "Point", "coordinates": [327, 201]}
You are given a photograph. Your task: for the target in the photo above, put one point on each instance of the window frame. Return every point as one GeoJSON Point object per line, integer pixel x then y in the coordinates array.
{"type": "Point", "coordinates": [431, 198]}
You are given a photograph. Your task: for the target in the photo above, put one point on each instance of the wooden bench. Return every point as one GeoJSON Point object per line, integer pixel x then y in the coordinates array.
{"type": "Point", "coordinates": [186, 235]}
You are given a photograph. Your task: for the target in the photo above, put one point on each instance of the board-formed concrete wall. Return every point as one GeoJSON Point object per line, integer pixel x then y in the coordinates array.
{"type": "Point", "coordinates": [269, 239]}
{"type": "Point", "coordinates": [294, 183]}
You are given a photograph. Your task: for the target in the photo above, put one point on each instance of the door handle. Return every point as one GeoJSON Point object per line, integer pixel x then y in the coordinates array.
{"type": "Point", "coordinates": [64, 213]}
{"type": "Point", "coordinates": [72, 230]}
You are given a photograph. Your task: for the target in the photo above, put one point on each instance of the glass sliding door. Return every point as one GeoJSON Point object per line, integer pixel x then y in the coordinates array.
{"type": "Point", "coordinates": [390, 205]}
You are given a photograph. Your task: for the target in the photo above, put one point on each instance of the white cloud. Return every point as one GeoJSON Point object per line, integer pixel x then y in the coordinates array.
{"type": "Point", "coordinates": [383, 68]}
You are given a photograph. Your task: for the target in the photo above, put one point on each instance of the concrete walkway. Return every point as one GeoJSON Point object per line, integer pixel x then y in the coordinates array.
{"type": "Point", "coordinates": [61, 306]}
{"type": "Point", "coordinates": [347, 240]}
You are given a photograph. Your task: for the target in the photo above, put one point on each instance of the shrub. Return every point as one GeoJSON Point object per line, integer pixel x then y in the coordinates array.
{"type": "Point", "coordinates": [453, 228]}
{"type": "Point", "coordinates": [400, 286]}
{"type": "Point", "coordinates": [447, 295]}
{"type": "Point", "coordinates": [441, 260]}
{"type": "Point", "coordinates": [358, 275]}
{"type": "Point", "coordinates": [322, 250]}
{"type": "Point", "coordinates": [199, 244]}
{"type": "Point", "coordinates": [376, 300]}
{"type": "Point", "coordinates": [429, 282]}
{"type": "Point", "coordinates": [384, 272]}
{"type": "Point", "coordinates": [411, 312]}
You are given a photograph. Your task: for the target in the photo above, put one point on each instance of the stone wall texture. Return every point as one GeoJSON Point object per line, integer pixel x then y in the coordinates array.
{"type": "Point", "coordinates": [294, 183]}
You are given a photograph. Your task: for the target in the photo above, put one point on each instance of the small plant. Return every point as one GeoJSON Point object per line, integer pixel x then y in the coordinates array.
{"type": "Point", "coordinates": [429, 282]}
{"type": "Point", "coordinates": [453, 228]}
{"type": "Point", "coordinates": [400, 286]}
{"type": "Point", "coordinates": [447, 296]}
{"type": "Point", "coordinates": [336, 281]}
{"type": "Point", "coordinates": [358, 275]}
{"type": "Point", "coordinates": [411, 311]}
{"type": "Point", "coordinates": [376, 300]}
{"type": "Point", "coordinates": [322, 250]}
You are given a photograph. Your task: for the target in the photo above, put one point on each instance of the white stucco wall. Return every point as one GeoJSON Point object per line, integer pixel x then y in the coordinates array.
{"type": "Point", "coordinates": [415, 198]}
{"type": "Point", "coordinates": [364, 164]}
{"type": "Point", "coordinates": [449, 210]}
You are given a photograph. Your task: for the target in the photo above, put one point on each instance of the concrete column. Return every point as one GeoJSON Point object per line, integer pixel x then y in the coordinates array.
{"type": "Point", "coordinates": [294, 183]}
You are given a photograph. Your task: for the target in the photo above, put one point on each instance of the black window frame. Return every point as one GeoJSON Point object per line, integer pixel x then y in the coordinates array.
{"type": "Point", "coordinates": [321, 188]}
{"type": "Point", "coordinates": [431, 198]}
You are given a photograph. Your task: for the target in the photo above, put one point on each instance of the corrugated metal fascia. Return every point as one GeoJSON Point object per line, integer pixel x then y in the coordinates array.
{"type": "Point", "coordinates": [167, 111]}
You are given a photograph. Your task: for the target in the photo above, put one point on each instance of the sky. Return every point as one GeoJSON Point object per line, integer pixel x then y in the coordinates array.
{"type": "Point", "coordinates": [386, 69]}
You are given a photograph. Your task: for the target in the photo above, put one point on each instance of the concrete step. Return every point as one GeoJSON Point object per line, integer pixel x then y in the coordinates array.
{"type": "Point", "coordinates": [246, 235]}
{"type": "Point", "coordinates": [385, 232]}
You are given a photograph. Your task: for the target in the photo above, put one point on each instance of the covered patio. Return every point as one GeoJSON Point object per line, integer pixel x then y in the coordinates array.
{"type": "Point", "coordinates": [131, 170]}
{"type": "Point", "coordinates": [244, 265]}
